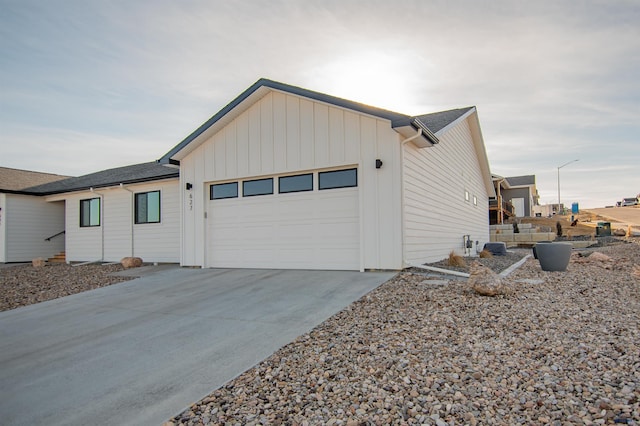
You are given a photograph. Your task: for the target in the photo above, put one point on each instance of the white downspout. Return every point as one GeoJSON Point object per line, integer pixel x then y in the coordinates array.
{"type": "Point", "coordinates": [133, 218]}
{"type": "Point", "coordinates": [402, 210]}
{"type": "Point", "coordinates": [101, 221]}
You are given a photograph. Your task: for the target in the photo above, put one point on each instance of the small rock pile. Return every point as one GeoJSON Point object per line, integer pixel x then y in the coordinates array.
{"type": "Point", "coordinates": [563, 348]}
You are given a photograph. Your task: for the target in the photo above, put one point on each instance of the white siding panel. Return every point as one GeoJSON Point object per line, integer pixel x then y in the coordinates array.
{"type": "Point", "coordinates": [321, 134]}
{"type": "Point", "coordinates": [188, 238]}
{"type": "Point", "coordinates": [279, 120]}
{"type": "Point", "coordinates": [436, 214]}
{"type": "Point", "coordinates": [118, 225]}
{"type": "Point", "coordinates": [336, 136]}
{"type": "Point", "coordinates": [242, 134]}
{"type": "Point", "coordinates": [82, 244]}
{"type": "Point", "coordinates": [351, 134]}
{"type": "Point", "coordinates": [231, 144]}
{"type": "Point", "coordinates": [267, 144]}
{"type": "Point", "coordinates": [307, 154]}
{"type": "Point", "coordinates": [293, 133]}
{"type": "Point", "coordinates": [159, 242]}
{"type": "Point", "coordinates": [28, 220]}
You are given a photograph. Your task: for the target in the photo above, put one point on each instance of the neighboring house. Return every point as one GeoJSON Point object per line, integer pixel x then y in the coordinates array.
{"type": "Point", "coordinates": [28, 224]}
{"type": "Point", "coordinates": [500, 209]}
{"type": "Point", "coordinates": [284, 177]}
{"type": "Point", "coordinates": [518, 195]}
{"type": "Point", "coordinates": [108, 215]}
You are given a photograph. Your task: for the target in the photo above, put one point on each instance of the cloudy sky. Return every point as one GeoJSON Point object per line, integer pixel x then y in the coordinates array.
{"type": "Point", "coordinates": [90, 85]}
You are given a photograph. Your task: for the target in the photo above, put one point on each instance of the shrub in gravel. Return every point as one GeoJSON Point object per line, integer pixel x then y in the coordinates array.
{"type": "Point", "coordinates": [456, 260]}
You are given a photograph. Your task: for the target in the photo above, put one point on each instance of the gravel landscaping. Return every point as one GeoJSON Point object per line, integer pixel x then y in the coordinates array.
{"type": "Point", "coordinates": [23, 285]}
{"type": "Point", "coordinates": [562, 348]}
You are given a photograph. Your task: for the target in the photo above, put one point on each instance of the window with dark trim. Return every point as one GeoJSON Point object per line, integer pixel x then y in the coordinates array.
{"type": "Point", "coordinates": [147, 207]}
{"type": "Point", "coordinates": [297, 183]}
{"type": "Point", "coordinates": [90, 212]}
{"type": "Point", "coordinates": [221, 191]}
{"type": "Point", "coordinates": [257, 187]}
{"type": "Point", "coordinates": [338, 179]}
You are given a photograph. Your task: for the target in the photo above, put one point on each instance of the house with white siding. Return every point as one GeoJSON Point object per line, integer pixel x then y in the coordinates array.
{"type": "Point", "coordinates": [285, 177]}
{"type": "Point", "coordinates": [108, 215]}
{"type": "Point", "coordinates": [29, 226]}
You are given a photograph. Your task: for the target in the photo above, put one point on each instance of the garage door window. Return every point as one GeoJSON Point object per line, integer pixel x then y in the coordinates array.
{"type": "Point", "coordinates": [257, 187]}
{"type": "Point", "coordinates": [224, 190]}
{"type": "Point", "coordinates": [298, 183]}
{"type": "Point", "coordinates": [338, 179]}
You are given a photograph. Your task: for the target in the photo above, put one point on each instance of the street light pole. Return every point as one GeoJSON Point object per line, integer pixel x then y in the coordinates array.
{"type": "Point", "coordinates": [559, 167]}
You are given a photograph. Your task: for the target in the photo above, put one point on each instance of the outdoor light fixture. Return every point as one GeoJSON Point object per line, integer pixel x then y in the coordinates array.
{"type": "Point", "coordinates": [559, 167]}
{"type": "Point", "coordinates": [378, 163]}
{"type": "Point", "coordinates": [189, 186]}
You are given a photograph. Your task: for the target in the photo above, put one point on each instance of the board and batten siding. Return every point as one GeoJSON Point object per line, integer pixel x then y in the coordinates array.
{"type": "Point", "coordinates": [284, 134]}
{"type": "Point", "coordinates": [436, 214]}
{"type": "Point", "coordinates": [27, 222]}
{"type": "Point", "coordinates": [118, 236]}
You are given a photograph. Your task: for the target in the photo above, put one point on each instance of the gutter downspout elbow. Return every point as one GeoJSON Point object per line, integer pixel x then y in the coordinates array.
{"type": "Point", "coordinates": [410, 138]}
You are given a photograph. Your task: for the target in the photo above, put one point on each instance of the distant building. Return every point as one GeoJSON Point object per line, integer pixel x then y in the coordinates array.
{"type": "Point", "coordinates": [515, 197]}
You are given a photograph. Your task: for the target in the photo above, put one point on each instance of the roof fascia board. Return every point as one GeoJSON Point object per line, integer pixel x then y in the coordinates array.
{"type": "Point", "coordinates": [15, 192]}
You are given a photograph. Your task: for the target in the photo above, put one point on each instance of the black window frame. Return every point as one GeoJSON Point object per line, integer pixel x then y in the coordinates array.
{"type": "Point", "coordinates": [86, 203]}
{"type": "Point", "coordinates": [321, 174]}
{"type": "Point", "coordinates": [280, 178]}
{"type": "Point", "coordinates": [136, 204]}
{"type": "Point", "coordinates": [257, 194]}
{"type": "Point", "coordinates": [211, 188]}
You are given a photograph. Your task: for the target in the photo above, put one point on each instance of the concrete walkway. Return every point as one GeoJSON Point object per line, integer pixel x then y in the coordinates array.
{"type": "Point", "coordinates": [141, 351]}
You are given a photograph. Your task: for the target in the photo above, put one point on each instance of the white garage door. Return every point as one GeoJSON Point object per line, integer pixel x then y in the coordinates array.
{"type": "Point", "coordinates": [316, 229]}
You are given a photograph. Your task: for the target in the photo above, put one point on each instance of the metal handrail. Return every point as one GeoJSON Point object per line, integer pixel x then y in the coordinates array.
{"type": "Point", "coordinates": [53, 236]}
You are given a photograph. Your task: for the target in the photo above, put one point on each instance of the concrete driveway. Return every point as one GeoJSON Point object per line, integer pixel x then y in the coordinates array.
{"type": "Point", "coordinates": [141, 351]}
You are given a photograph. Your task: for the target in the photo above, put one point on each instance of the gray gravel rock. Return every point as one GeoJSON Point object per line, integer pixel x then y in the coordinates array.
{"type": "Point", "coordinates": [562, 349]}
{"type": "Point", "coordinates": [23, 285]}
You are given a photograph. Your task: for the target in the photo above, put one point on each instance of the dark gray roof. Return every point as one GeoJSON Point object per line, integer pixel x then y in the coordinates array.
{"type": "Point", "coordinates": [136, 173]}
{"type": "Point", "coordinates": [522, 180]}
{"type": "Point", "coordinates": [438, 120]}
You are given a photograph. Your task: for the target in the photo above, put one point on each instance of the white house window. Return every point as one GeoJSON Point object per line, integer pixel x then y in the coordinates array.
{"type": "Point", "coordinates": [90, 212]}
{"type": "Point", "coordinates": [338, 179]}
{"type": "Point", "coordinates": [257, 187]}
{"type": "Point", "coordinates": [224, 190]}
{"type": "Point", "coordinates": [466, 195]}
{"type": "Point", "coordinates": [147, 207]}
{"type": "Point", "coordinates": [475, 200]}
